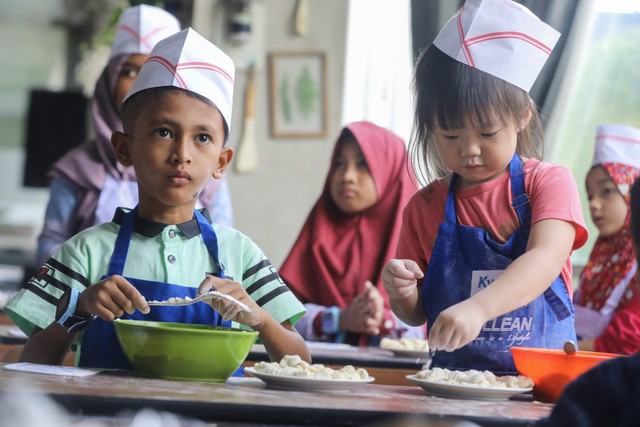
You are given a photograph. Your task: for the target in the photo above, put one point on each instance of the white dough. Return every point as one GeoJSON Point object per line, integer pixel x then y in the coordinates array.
{"type": "Point", "coordinates": [294, 366]}
{"type": "Point", "coordinates": [474, 378]}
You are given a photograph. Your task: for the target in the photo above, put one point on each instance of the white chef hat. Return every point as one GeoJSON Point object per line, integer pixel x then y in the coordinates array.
{"type": "Point", "coordinates": [140, 28]}
{"type": "Point", "coordinates": [499, 37]}
{"type": "Point", "coordinates": [617, 144]}
{"type": "Point", "coordinates": [189, 61]}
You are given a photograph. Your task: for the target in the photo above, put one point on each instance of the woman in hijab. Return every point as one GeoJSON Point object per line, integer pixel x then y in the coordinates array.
{"type": "Point", "coordinates": [335, 264]}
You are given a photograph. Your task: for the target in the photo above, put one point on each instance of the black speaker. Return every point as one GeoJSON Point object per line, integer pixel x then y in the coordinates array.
{"type": "Point", "coordinates": [56, 123]}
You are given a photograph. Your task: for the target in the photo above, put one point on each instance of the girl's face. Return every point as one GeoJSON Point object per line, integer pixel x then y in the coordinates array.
{"type": "Point", "coordinates": [127, 76]}
{"type": "Point", "coordinates": [607, 206]}
{"type": "Point", "coordinates": [351, 185]}
{"type": "Point", "coordinates": [478, 154]}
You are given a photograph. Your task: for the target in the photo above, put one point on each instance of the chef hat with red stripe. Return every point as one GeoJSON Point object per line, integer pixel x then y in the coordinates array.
{"type": "Point", "coordinates": [188, 61]}
{"type": "Point", "coordinates": [617, 144]}
{"type": "Point", "coordinates": [499, 37]}
{"type": "Point", "coordinates": [140, 28]}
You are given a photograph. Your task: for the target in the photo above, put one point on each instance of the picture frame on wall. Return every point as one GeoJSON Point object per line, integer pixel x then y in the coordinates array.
{"type": "Point", "coordinates": [298, 94]}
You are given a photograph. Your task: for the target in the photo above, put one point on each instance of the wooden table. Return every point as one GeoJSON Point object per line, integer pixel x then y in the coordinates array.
{"type": "Point", "coordinates": [247, 400]}
{"type": "Point", "coordinates": [381, 364]}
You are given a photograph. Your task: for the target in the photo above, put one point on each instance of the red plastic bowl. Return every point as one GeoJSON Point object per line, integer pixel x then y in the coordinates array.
{"type": "Point", "coordinates": [551, 370]}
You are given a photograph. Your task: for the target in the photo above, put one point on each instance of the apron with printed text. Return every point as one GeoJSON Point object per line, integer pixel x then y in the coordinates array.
{"type": "Point", "coordinates": [464, 261]}
{"type": "Point", "coordinates": [100, 347]}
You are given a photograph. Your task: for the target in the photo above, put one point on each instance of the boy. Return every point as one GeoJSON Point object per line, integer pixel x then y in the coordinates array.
{"type": "Point", "coordinates": [176, 121]}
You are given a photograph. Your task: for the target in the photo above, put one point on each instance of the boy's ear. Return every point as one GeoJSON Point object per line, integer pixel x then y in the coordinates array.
{"type": "Point", "coordinates": [223, 161]}
{"type": "Point", "coordinates": [120, 143]}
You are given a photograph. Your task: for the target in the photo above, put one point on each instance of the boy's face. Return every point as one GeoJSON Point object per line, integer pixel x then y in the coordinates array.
{"type": "Point", "coordinates": [175, 144]}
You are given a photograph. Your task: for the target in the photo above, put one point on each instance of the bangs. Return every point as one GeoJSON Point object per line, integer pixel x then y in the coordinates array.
{"type": "Point", "coordinates": [452, 95]}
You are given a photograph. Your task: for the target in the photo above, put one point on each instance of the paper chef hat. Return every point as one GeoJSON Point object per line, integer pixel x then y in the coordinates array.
{"type": "Point", "coordinates": [499, 37]}
{"type": "Point", "coordinates": [189, 61]}
{"type": "Point", "coordinates": [617, 144]}
{"type": "Point", "coordinates": [140, 28]}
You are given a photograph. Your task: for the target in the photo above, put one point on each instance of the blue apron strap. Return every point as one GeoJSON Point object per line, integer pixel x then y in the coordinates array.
{"type": "Point", "coordinates": [520, 203]}
{"type": "Point", "coordinates": [119, 256]}
{"type": "Point", "coordinates": [520, 199]}
{"type": "Point", "coordinates": [450, 205]}
{"type": "Point", "coordinates": [210, 240]}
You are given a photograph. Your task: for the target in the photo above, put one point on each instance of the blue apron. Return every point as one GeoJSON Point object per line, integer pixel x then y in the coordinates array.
{"type": "Point", "coordinates": [465, 260]}
{"type": "Point", "coordinates": [100, 347]}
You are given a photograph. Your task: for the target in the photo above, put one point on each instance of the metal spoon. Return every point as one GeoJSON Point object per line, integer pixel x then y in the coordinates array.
{"type": "Point", "coordinates": [204, 297]}
{"type": "Point", "coordinates": [569, 347]}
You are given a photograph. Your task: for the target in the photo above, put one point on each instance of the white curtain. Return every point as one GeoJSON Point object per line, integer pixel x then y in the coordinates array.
{"type": "Point", "coordinates": [599, 86]}
{"type": "Point", "coordinates": [563, 89]}
{"type": "Point", "coordinates": [379, 65]}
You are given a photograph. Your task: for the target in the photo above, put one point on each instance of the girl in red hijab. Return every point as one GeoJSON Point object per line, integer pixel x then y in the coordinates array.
{"type": "Point", "coordinates": [607, 303]}
{"type": "Point", "coordinates": [335, 264]}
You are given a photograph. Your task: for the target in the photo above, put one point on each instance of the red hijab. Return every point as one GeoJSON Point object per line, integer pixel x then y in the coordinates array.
{"type": "Point", "coordinates": [336, 252]}
{"type": "Point", "coordinates": [612, 257]}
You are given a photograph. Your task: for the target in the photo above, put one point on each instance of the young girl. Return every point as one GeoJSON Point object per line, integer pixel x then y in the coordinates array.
{"type": "Point", "coordinates": [335, 264]}
{"type": "Point", "coordinates": [88, 183]}
{"type": "Point", "coordinates": [484, 251]}
{"type": "Point", "coordinates": [608, 301]}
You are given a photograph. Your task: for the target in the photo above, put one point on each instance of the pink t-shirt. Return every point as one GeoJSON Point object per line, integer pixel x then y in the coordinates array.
{"type": "Point", "coordinates": [553, 195]}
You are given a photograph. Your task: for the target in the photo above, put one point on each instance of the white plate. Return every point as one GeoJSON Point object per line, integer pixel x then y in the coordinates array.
{"type": "Point", "coordinates": [307, 384]}
{"type": "Point", "coordinates": [461, 391]}
{"type": "Point", "coordinates": [410, 353]}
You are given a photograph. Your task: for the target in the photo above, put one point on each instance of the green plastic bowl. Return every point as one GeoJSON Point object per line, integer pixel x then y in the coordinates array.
{"type": "Point", "coordinates": [181, 351]}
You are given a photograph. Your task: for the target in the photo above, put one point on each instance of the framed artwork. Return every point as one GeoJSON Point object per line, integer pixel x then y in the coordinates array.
{"type": "Point", "coordinates": [298, 94]}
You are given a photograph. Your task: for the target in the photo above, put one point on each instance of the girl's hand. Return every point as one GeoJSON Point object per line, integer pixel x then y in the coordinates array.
{"type": "Point", "coordinates": [111, 298]}
{"type": "Point", "coordinates": [230, 310]}
{"type": "Point", "coordinates": [457, 326]}
{"type": "Point", "coordinates": [364, 314]}
{"type": "Point", "coordinates": [400, 278]}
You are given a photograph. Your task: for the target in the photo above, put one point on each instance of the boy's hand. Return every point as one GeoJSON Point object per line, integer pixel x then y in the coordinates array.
{"type": "Point", "coordinates": [111, 298]}
{"type": "Point", "coordinates": [400, 278]}
{"type": "Point", "coordinates": [230, 310]}
{"type": "Point", "coordinates": [364, 314]}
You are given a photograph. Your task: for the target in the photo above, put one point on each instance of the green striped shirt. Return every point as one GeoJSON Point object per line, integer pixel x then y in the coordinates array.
{"type": "Point", "coordinates": [164, 253]}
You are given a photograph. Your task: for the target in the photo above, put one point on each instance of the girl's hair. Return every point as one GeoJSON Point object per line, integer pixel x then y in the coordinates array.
{"type": "Point", "coordinates": [450, 95]}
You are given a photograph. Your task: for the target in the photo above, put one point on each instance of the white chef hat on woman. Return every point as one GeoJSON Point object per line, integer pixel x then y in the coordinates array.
{"type": "Point", "coordinates": [189, 61]}
{"type": "Point", "coordinates": [499, 37]}
{"type": "Point", "coordinates": [140, 28]}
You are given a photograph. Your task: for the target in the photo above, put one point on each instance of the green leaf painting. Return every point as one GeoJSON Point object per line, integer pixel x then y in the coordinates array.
{"type": "Point", "coordinates": [298, 87]}
{"type": "Point", "coordinates": [306, 92]}
{"type": "Point", "coordinates": [305, 95]}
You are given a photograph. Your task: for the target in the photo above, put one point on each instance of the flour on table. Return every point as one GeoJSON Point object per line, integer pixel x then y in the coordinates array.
{"type": "Point", "coordinates": [294, 366]}
{"type": "Point", "coordinates": [474, 378]}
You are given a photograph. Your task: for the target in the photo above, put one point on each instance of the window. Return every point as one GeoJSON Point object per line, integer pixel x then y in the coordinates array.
{"type": "Point", "coordinates": [601, 85]}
